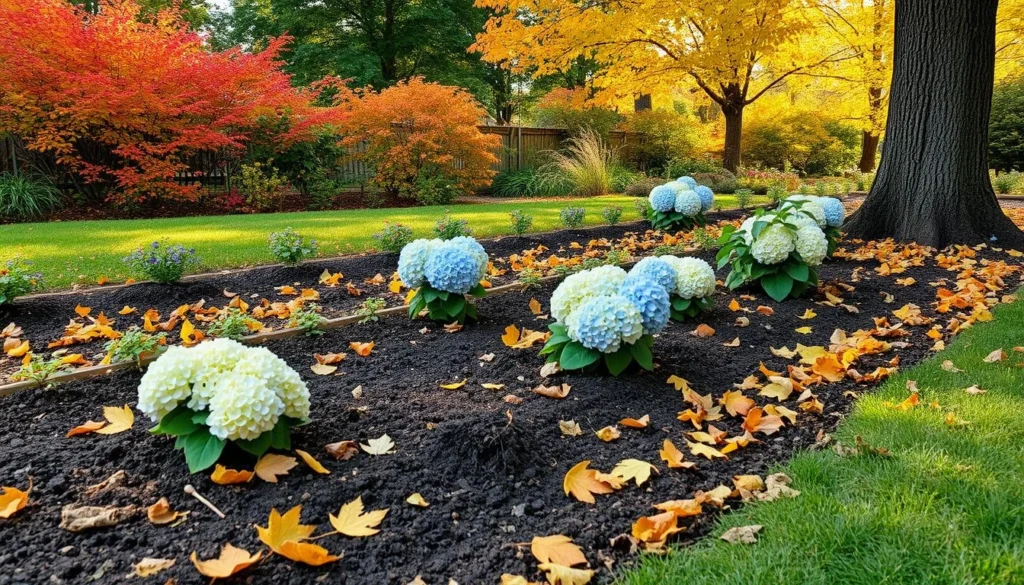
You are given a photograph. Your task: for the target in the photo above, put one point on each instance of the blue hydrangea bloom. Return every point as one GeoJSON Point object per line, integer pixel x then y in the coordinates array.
{"type": "Point", "coordinates": [606, 322]}
{"type": "Point", "coordinates": [707, 197]}
{"type": "Point", "coordinates": [662, 198]}
{"type": "Point", "coordinates": [473, 247]}
{"type": "Point", "coordinates": [835, 213]}
{"type": "Point", "coordinates": [651, 299]}
{"type": "Point", "coordinates": [451, 268]}
{"type": "Point", "coordinates": [688, 181]}
{"type": "Point", "coordinates": [657, 269]}
{"type": "Point", "coordinates": [688, 203]}
{"type": "Point", "coordinates": [413, 261]}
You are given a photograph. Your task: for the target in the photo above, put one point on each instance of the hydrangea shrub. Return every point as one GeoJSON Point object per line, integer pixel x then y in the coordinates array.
{"type": "Point", "coordinates": [443, 272]}
{"type": "Point", "coordinates": [680, 204]}
{"type": "Point", "coordinates": [605, 318]}
{"type": "Point", "coordinates": [221, 391]}
{"type": "Point", "coordinates": [780, 249]}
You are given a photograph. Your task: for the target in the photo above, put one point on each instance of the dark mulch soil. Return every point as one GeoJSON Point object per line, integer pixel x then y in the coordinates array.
{"type": "Point", "coordinates": [492, 485]}
{"type": "Point", "coordinates": [44, 317]}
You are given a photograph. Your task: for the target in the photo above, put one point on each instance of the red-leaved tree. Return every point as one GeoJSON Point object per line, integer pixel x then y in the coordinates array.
{"type": "Point", "coordinates": [122, 100]}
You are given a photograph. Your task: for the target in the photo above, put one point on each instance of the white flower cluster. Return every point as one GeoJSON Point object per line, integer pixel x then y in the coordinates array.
{"type": "Point", "coordinates": [776, 241]}
{"type": "Point", "coordinates": [695, 279]}
{"type": "Point", "coordinates": [246, 389]}
{"type": "Point", "coordinates": [583, 286]}
{"type": "Point", "coordinates": [809, 205]}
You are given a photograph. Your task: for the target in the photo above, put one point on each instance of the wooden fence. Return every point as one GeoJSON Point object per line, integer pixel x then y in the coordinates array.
{"type": "Point", "coordinates": [521, 148]}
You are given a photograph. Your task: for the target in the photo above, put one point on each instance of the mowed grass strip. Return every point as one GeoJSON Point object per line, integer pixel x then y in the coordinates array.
{"type": "Point", "coordinates": [946, 508]}
{"type": "Point", "coordinates": [81, 252]}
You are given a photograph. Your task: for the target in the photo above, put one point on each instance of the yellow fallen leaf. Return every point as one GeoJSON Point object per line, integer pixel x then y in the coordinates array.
{"type": "Point", "coordinates": [808, 314]}
{"type": "Point", "coordinates": [535, 307]}
{"type": "Point", "coordinates": [86, 428]}
{"type": "Point", "coordinates": [608, 434]}
{"type": "Point", "coordinates": [351, 521]}
{"type": "Point", "coordinates": [635, 469]}
{"type": "Point", "coordinates": [148, 567]}
{"type": "Point", "coordinates": [272, 465]}
{"type": "Point", "coordinates": [83, 311]}
{"type": "Point", "coordinates": [312, 462]}
{"type": "Point", "coordinates": [362, 349]}
{"type": "Point", "coordinates": [803, 330]}
{"type": "Point", "coordinates": [323, 369]}
{"type": "Point", "coordinates": [454, 385]}
{"type": "Point", "coordinates": [18, 350]}
{"type": "Point", "coordinates": [417, 500]}
{"type": "Point", "coordinates": [223, 476]}
{"type": "Point", "coordinates": [231, 560]}
{"type": "Point", "coordinates": [161, 513]}
{"type": "Point", "coordinates": [492, 386]}
{"type": "Point", "coordinates": [12, 500]}
{"type": "Point", "coordinates": [557, 392]}
{"type": "Point", "coordinates": [583, 482]}
{"type": "Point", "coordinates": [570, 428]}
{"type": "Point", "coordinates": [119, 420]}
{"type": "Point", "coordinates": [558, 549]}
{"type": "Point", "coordinates": [307, 553]}
{"type": "Point", "coordinates": [562, 575]}
{"type": "Point", "coordinates": [127, 310]}
{"type": "Point", "coordinates": [680, 384]}
{"type": "Point", "coordinates": [673, 457]}
{"type": "Point", "coordinates": [511, 336]}
{"type": "Point", "coordinates": [700, 449]}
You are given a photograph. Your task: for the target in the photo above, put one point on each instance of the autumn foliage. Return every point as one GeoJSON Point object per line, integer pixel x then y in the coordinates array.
{"type": "Point", "coordinates": [123, 101]}
{"type": "Point", "coordinates": [421, 140]}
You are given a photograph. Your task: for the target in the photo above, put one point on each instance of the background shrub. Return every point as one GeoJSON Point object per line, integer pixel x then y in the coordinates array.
{"type": "Point", "coordinates": [262, 186]}
{"type": "Point", "coordinates": [572, 217]}
{"type": "Point", "coordinates": [288, 247]}
{"type": "Point", "coordinates": [643, 208]}
{"type": "Point", "coordinates": [642, 188]}
{"type": "Point", "coordinates": [667, 135]}
{"type": "Point", "coordinates": [691, 165]}
{"type": "Point", "coordinates": [1005, 183]}
{"type": "Point", "coordinates": [805, 141]}
{"type": "Point", "coordinates": [744, 197]}
{"type": "Point", "coordinates": [1006, 126]}
{"type": "Point", "coordinates": [777, 193]}
{"type": "Point", "coordinates": [760, 180]}
{"type": "Point", "coordinates": [421, 141]}
{"type": "Point", "coordinates": [23, 197]}
{"type": "Point", "coordinates": [720, 181]}
{"type": "Point", "coordinates": [527, 183]}
{"type": "Point", "coordinates": [447, 228]}
{"type": "Point", "coordinates": [573, 110]}
{"type": "Point", "coordinates": [622, 178]}
{"type": "Point", "coordinates": [393, 237]}
{"type": "Point", "coordinates": [520, 222]}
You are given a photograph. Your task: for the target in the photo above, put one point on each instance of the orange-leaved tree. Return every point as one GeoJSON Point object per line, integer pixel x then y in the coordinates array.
{"type": "Point", "coordinates": [123, 99]}
{"type": "Point", "coordinates": [420, 140]}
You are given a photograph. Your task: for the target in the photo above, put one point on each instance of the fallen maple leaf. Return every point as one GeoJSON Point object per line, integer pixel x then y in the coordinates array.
{"type": "Point", "coordinates": [312, 462]}
{"type": "Point", "coordinates": [558, 549]}
{"type": "Point", "coordinates": [608, 434]}
{"type": "Point", "coordinates": [86, 428]}
{"type": "Point", "coordinates": [351, 521]}
{"type": "Point", "coordinates": [148, 567]}
{"type": "Point", "coordinates": [803, 330]}
{"type": "Point", "coordinates": [12, 500]}
{"type": "Point", "coordinates": [272, 465]}
{"type": "Point", "coordinates": [735, 403]}
{"type": "Point", "coordinates": [379, 446]}
{"type": "Point", "coordinates": [223, 476]}
{"type": "Point", "coordinates": [161, 513]}
{"type": "Point", "coordinates": [119, 420]}
{"type": "Point", "coordinates": [361, 349]}
{"type": "Point", "coordinates": [583, 482]}
{"type": "Point", "coordinates": [570, 428]}
{"type": "Point", "coordinates": [562, 575]}
{"type": "Point", "coordinates": [342, 450]}
{"type": "Point", "coordinates": [16, 350]}
{"type": "Point", "coordinates": [700, 449]}
{"type": "Point", "coordinates": [654, 530]}
{"type": "Point", "coordinates": [231, 560]}
{"type": "Point", "coordinates": [635, 469]}
{"type": "Point", "coordinates": [808, 314]}
{"type": "Point", "coordinates": [949, 366]}
{"type": "Point", "coordinates": [284, 536]}
{"type": "Point", "coordinates": [535, 307]}
{"type": "Point", "coordinates": [673, 457]}
{"type": "Point", "coordinates": [996, 356]}
{"type": "Point", "coordinates": [83, 311]}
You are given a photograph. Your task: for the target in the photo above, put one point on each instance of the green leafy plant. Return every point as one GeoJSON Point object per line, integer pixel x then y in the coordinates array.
{"type": "Point", "coordinates": [527, 183]}
{"type": "Point", "coordinates": [642, 187]}
{"type": "Point", "coordinates": [369, 308]}
{"type": "Point", "coordinates": [703, 239]}
{"type": "Point", "coordinates": [162, 263]}
{"type": "Point", "coordinates": [16, 280]}
{"type": "Point", "coordinates": [571, 355]}
{"type": "Point", "coordinates": [308, 319]}
{"type": "Point", "coordinates": [744, 197]}
{"type": "Point", "coordinates": [643, 208]}
{"type": "Point", "coordinates": [23, 197]}
{"type": "Point", "coordinates": [612, 214]}
{"type": "Point", "coordinates": [445, 306]}
{"type": "Point", "coordinates": [447, 228]}
{"type": "Point", "coordinates": [777, 193]}
{"type": "Point", "coordinates": [288, 247]}
{"type": "Point", "coordinates": [520, 222]}
{"type": "Point", "coordinates": [393, 237]}
{"type": "Point", "coordinates": [233, 324]}
{"type": "Point", "coordinates": [37, 369]}
{"type": "Point", "coordinates": [262, 186]}
{"type": "Point", "coordinates": [572, 217]}
{"type": "Point", "coordinates": [136, 344]}
{"type": "Point", "coordinates": [1004, 183]}
{"type": "Point", "coordinates": [529, 277]}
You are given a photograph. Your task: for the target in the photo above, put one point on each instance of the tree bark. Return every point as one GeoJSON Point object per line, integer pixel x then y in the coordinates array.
{"type": "Point", "coordinates": [731, 157]}
{"type": "Point", "coordinates": [868, 151]}
{"type": "Point", "coordinates": [932, 186]}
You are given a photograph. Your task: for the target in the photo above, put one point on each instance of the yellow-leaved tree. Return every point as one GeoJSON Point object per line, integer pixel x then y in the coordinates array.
{"type": "Point", "coordinates": [734, 51]}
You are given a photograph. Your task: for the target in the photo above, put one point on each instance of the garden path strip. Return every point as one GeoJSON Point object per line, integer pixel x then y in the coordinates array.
{"type": "Point", "coordinates": [491, 463]}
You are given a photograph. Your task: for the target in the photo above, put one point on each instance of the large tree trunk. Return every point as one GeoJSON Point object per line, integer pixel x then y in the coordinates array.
{"type": "Point", "coordinates": [932, 185]}
{"type": "Point", "coordinates": [733, 111]}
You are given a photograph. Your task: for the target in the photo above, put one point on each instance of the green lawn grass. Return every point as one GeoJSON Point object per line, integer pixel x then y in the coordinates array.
{"type": "Point", "coordinates": [80, 252]}
{"type": "Point", "coordinates": [946, 507]}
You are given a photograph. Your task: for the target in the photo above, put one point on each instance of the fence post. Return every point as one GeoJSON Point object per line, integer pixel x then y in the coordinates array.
{"type": "Point", "coordinates": [519, 149]}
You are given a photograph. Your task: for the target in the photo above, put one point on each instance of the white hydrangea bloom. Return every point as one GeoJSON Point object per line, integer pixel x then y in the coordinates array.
{"type": "Point", "coordinates": [811, 244]}
{"type": "Point", "coordinates": [747, 227]}
{"type": "Point", "coordinates": [773, 244]}
{"type": "Point", "coordinates": [166, 383]}
{"type": "Point", "coordinates": [694, 277]}
{"type": "Point", "coordinates": [582, 286]}
{"type": "Point", "coordinates": [801, 220]}
{"type": "Point", "coordinates": [211, 360]}
{"type": "Point", "coordinates": [243, 407]}
{"type": "Point", "coordinates": [811, 206]}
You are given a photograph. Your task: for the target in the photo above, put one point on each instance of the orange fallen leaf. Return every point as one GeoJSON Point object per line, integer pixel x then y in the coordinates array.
{"type": "Point", "coordinates": [312, 462]}
{"type": "Point", "coordinates": [673, 457]}
{"type": "Point", "coordinates": [231, 560]}
{"type": "Point", "coordinates": [582, 483]}
{"type": "Point", "coordinates": [654, 530]}
{"type": "Point", "coordinates": [161, 513]}
{"type": "Point", "coordinates": [703, 330]}
{"type": "Point", "coordinates": [86, 428]}
{"type": "Point", "coordinates": [557, 392]}
{"type": "Point", "coordinates": [558, 549]}
{"type": "Point", "coordinates": [83, 311]}
{"type": "Point", "coordinates": [766, 311]}
{"type": "Point", "coordinates": [634, 423]}
{"type": "Point", "coordinates": [361, 349]}
{"type": "Point", "coordinates": [758, 421]}
{"type": "Point", "coordinates": [19, 350]}
{"type": "Point", "coordinates": [285, 535]}
{"type": "Point", "coordinates": [13, 500]}
{"type": "Point", "coordinates": [535, 308]}
{"type": "Point", "coordinates": [223, 476]}
{"type": "Point", "coordinates": [127, 310]}
{"type": "Point", "coordinates": [272, 465]}
{"type": "Point", "coordinates": [735, 403]}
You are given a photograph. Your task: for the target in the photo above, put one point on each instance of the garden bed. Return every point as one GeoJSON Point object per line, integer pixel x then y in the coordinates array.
{"type": "Point", "coordinates": [491, 466]}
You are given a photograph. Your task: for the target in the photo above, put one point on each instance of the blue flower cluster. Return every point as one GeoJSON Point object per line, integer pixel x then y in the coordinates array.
{"type": "Point", "coordinates": [650, 298]}
{"type": "Point", "coordinates": [835, 213]}
{"type": "Point", "coordinates": [688, 181]}
{"type": "Point", "coordinates": [663, 198]}
{"type": "Point", "coordinates": [687, 202]}
{"type": "Point", "coordinates": [605, 322]}
{"type": "Point", "coordinates": [707, 197]}
{"type": "Point", "coordinates": [454, 266]}
{"type": "Point", "coordinates": [683, 195]}
{"type": "Point", "coordinates": [656, 269]}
